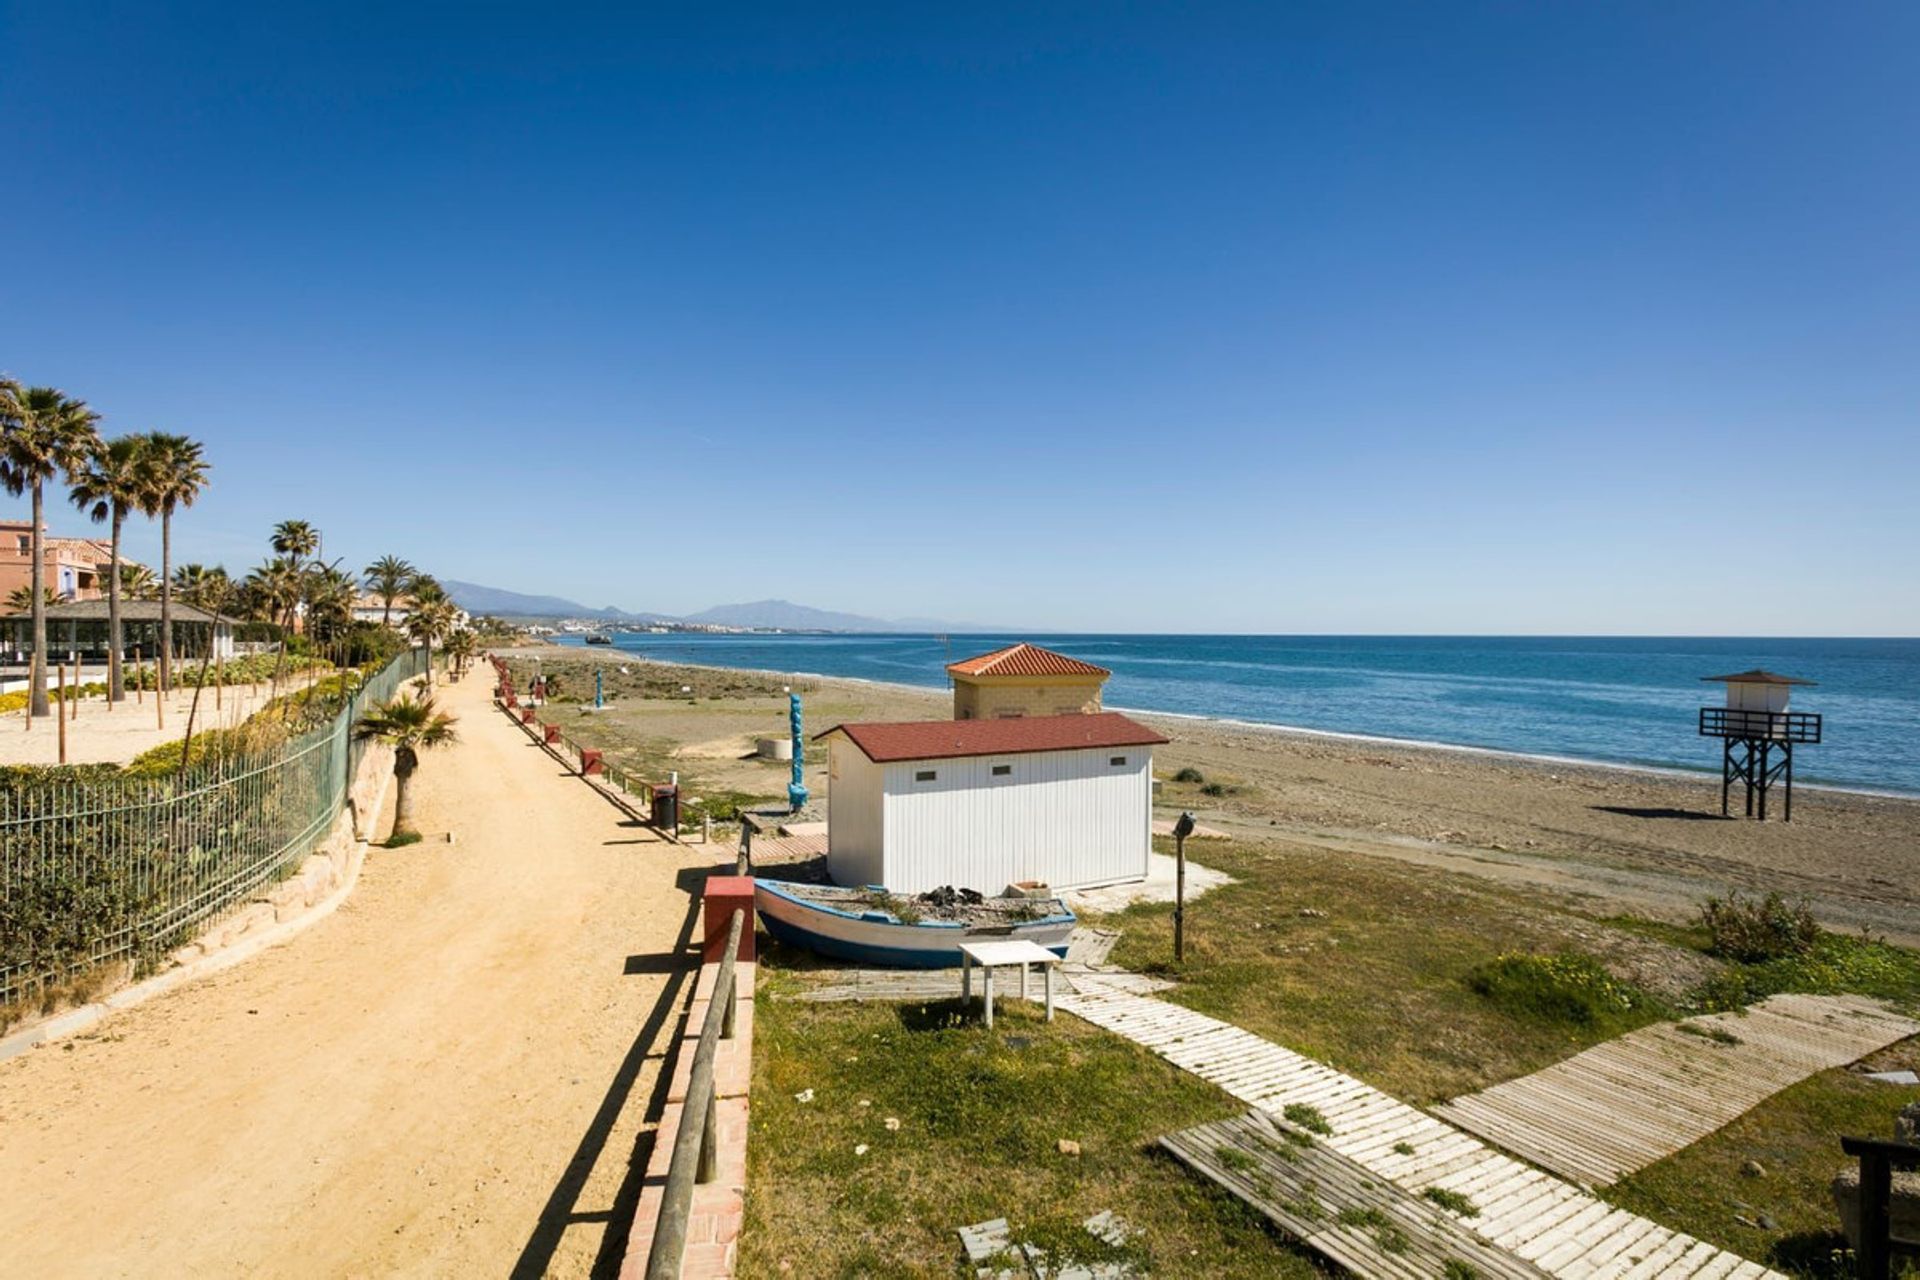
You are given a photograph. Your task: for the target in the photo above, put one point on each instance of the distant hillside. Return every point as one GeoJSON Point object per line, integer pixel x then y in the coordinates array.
{"type": "Point", "coordinates": [787, 616]}
{"type": "Point", "coordinates": [475, 598]}
{"type": "Point", "coordinates": [783, 615]}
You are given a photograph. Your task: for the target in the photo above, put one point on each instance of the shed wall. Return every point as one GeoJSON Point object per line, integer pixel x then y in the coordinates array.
{"type": "Point", "coordinates": [1070, 818]}
{"type": "Point", "coordinates": [854, 815]}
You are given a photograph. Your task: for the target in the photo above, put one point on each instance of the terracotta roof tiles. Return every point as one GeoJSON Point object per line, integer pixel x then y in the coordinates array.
{"type": "Point", "coordinates": [1025, 660]}
{"type": "Point", "coordinates": [887, 742]}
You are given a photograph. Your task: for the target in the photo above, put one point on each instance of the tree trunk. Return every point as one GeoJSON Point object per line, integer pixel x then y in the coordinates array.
{"type": "Point", "coordinates": [166, 602]}
{"type": "Point", "coordinates": [402, 801]}
{"type": "Point", "coordinates": [186, 744]}
{"type": "Point", "coordinates": [37, 679]}
{"type": "Point", "coordinates": [116, 692]}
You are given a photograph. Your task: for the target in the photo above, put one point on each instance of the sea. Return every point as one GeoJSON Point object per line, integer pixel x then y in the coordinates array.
{"type": "Point", "coordinates": [1612, 700]}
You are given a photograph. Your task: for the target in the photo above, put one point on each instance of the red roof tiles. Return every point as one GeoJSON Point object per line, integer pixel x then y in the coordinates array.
{"type": "Point", "coordinates": [885, 742]}
{"type": "Point", "coordinates": [1025, 660]}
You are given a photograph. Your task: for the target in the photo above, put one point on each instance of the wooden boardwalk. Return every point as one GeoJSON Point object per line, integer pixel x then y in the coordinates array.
{"type": "Point", "coordinates": [1335, 1206]}
{"type": "Point", "coordinates": [1619, 1106]}
{"type": "Point", "coordinates": [1543, 1220]}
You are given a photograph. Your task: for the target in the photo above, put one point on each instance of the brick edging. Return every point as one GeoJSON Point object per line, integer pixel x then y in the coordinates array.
{"type": "Point", "coordinates": [713, 1226]}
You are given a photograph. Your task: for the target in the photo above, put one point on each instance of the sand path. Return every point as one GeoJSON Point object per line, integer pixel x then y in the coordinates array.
{"type": "Point", "coordinates": [448, 1076]}
{"type": "Point", "coordinates": [103, 734]}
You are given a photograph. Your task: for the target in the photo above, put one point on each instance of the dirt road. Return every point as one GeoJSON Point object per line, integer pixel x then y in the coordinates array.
{"type": "Point", "coordinates": [448, 1076]}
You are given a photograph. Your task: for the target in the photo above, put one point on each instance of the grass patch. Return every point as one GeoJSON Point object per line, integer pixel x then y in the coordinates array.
{"type": "Point", "coordinates": [1452, 1201]}
{"type": "Point", "coordinates": [1561, 988]}
{"type": "Point", "coordinates": [1308, 1118]}
{"type": "Point", "coordinates": [980, 1113]}
{"type": "Point", "coordinates": [1403, 1148]}
{"type": "Point", "coordinates": [1374, 982]}
{"type": "Point", "coordinates": [1785, 1219]}
{"type": "Point", "coordinates": [401, 839]}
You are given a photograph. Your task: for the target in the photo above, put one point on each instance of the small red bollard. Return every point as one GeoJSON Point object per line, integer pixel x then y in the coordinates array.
{"type": "Point", "coordinates": [526, 715]}
{"type": "Point", "coordinates": [722, 895]}
{"type": "Point", "coordinates": [552, 732]}
{"type": "Point", "coordinates": [589, 761]}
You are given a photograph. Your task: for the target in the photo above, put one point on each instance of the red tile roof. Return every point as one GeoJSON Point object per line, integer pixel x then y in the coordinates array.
{"type": "Point", "coordinates": [885, 742]}
{"type": "Point", "coordinates": [1025, 660]}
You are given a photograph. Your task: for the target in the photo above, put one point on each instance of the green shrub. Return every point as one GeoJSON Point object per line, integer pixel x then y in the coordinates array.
{"type": "Point", "coordinates": [1562, 988]}
{"type": "Point", "coordinates": [1754, 932]}
{"type": "Point", "coordinates": [1189, 774]}
{"type": "Point", "coordinates": [1216, 789]}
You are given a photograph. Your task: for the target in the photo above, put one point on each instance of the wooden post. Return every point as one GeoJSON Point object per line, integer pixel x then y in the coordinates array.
{"type": "Point", "coordinates": [75, 713]}
{"type": "Point", "coordinates": [139, 685]}
{"type": "Point", "coordinates": [60, 711]}
{"type": "Point", "coordinates": [219, 680]}
{"type": "Point", "coordinates": [160, 683]}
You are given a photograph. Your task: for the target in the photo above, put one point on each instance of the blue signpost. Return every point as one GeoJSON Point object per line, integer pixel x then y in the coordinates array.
{"type": "Point", "coordinates": [599, 698]}
{"type": "Point", "coordinates": [796, 789]}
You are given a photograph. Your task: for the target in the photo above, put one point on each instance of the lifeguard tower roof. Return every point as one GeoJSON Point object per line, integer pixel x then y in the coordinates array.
{"type": "Point", "coordinates": [1756, 676]}
{"type": "Point", "coordinates": [1024, 659]}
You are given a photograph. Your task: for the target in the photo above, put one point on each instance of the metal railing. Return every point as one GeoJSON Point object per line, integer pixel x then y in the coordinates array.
{"type": "Point", "coordinates": [696, 1141]}
{"type": "Point", "coordinates": [1780, 726]}
{"type": "Point", "coordinates": [99, 866]}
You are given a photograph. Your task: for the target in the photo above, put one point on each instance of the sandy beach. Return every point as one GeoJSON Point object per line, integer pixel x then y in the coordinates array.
{"type": "Point", "coordinates": [1621, 839]}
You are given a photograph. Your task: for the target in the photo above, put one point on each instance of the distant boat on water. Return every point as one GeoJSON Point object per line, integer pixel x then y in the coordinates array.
{"type": "Point", "coordinates": [599, 637]}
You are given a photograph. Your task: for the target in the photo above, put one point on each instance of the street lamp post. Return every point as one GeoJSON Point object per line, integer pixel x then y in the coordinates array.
{"type": "Point", "coordinates": [1181, 830]}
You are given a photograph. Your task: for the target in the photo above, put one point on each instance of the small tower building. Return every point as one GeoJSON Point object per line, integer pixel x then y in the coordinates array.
{"type": "Point", "coordinates": [1758, 734]}
{"type": "Point", "coordinates": [1024, 681]}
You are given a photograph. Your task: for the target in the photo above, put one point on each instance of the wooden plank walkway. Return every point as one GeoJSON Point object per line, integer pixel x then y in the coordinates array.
{"type": "Point", "coordinates": [1620, 1106]}
{"type": "Point", "coordinates": [1335, 1206]}
{"type": "Point", "coordinates": [1562, 1229]}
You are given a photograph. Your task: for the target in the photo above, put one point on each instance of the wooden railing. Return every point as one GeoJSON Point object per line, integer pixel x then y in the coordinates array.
{"type": "Point", "coordinates": [1878, 1159]}
{"type": "Point", "coordinates": [1780, 726]}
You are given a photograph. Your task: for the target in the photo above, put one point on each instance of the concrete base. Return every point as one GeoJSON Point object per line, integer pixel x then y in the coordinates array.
{"type": "Point", "coordinates": [1157, 887]}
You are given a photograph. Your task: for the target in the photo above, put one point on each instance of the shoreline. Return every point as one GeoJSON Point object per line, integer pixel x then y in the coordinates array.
{"type": "Point", "coordinates": [1667, 772]}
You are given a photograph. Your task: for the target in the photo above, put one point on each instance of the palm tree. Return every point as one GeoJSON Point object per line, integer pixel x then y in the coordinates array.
{"type": "Point", "coordinates": [296, 538]}
{"type": "Point", "coordinates": [330, 595]}
{"type": "Point", "coordinates": [20, 599]}
{"type": "Point", "coordinates": [137, 582]}
{"type": "Point", "coordinates": [460, 647]}
{"type": "Point", "coordinates": [428, 621]}
{"type": "Point", "coordinates": [274, 589]}
{"type": "Point", "coordinates": [208, 589]}
{"type": "Point", "coordinates": [389, 577]}
{"type": "Point", "coordinates": [176, 472]}
{"type": "Point", "coordinates": [42, 432]}
{"type": "Point", "coordinates": [409, 726]}
{"type": "Point", "coordinates": [107, 487]}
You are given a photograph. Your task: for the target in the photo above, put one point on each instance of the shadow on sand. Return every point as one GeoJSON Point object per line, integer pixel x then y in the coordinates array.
{"type": "Point", "coordinates": [1683, 815]}
{"type": "Point", "coordinates": [561, 1211]}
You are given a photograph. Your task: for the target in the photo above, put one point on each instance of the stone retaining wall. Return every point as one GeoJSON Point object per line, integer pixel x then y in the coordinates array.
{"type": "Point", "coordinates": [276, 912]}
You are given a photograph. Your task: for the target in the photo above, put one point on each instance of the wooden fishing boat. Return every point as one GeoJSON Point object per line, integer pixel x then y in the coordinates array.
{"type": "Point", "coordinates": [866, 925]}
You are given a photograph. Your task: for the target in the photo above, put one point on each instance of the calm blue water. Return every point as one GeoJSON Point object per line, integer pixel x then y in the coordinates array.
{"type": "Point", "coordinates": [1621, 700]}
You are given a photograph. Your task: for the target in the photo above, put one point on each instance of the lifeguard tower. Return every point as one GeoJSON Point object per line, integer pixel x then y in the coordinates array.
{"type": "Point", "coordinates": [1758, 735]}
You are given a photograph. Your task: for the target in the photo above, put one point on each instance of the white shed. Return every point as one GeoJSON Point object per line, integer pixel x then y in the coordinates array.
{"type": "Point", "coordinates": [981, 804]}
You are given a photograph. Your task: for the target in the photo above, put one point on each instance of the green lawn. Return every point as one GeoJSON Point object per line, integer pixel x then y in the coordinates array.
{"type": "Point", "coordinates": [981, 1113]}
{"type": "Point", "coordinates": [1790, 1221]}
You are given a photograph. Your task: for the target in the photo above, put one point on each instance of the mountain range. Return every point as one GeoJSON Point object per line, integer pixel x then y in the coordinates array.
{"type": "Point", "coordinates": [781, 614]}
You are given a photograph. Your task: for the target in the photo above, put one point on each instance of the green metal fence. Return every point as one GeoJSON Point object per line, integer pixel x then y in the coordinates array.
{"type": "Point", "coordinates": [97, 866]}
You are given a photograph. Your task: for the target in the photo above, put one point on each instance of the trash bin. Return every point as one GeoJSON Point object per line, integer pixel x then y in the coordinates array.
{"type": "Point", "coordinates": [666, 807]}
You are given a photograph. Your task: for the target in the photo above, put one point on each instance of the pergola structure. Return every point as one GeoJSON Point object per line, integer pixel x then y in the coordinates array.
{"type": "Point", "coordinates": [79, 630]}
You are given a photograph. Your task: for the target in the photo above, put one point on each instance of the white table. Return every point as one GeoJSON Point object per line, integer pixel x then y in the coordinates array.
{"type": "Point", "coordinates": [996, 955]}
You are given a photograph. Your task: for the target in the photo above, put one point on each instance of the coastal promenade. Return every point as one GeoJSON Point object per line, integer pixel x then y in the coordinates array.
{"type": "Point", "coordinates": [447, 1076]}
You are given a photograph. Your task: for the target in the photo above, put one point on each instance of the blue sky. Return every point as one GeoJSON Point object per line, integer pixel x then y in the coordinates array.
{"type": "Point", "coordinates": [1354, 317]}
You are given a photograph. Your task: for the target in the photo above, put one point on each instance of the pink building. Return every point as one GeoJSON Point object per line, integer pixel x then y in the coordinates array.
{"type": "Point", "coordinates": [74, 568]}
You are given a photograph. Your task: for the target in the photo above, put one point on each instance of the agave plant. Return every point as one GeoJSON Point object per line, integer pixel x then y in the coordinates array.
{"type": "Point", "coordinates": [409, 725]}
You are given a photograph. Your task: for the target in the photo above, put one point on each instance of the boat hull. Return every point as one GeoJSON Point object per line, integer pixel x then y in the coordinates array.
{"type": "Point", "coordinates": [873, 938]}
